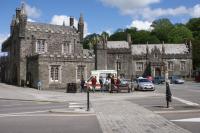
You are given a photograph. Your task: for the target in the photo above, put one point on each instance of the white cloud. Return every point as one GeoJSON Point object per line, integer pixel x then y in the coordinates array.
{"type": "Point", "coordinates": [59, 19]}
{"type": "Point", "coordinates": [125, 5]}
{"type": "Point", "coordinates": [31, 20]}
{"type": "Point", "coordinates": [195, 11]}
{"type": "Point", "coordinates": [32, 11]}
{"type": "Point", "coordinates": [3, 37]}
{"type": "Point", "coordinates": [141, 25]}
{"type": "Point", "coordinates": [141, 9]}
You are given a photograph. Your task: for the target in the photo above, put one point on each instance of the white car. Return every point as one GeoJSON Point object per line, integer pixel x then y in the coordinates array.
{"type": "Point", "coordinates": [143, 84]}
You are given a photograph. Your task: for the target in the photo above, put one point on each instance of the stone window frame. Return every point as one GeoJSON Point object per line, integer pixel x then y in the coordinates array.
{"type": "Point", "coordinates": [170, 65]}
{"type": "Point", "coordinates": [78, 78]}
{"type": "Point", "coordinates": [41, 47]}
{"type": "Point", "coordinates": [66, 47]}
{"type": "Point", "coordinates": [139, 68]}
{"type": "Point", "coordinates": [55, 69]}
{"type": "Point", "coordinates": [183, 67]}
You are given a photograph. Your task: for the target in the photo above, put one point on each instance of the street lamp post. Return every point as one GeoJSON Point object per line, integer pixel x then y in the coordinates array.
{"type": "Point", "coordinates": [117, 65]}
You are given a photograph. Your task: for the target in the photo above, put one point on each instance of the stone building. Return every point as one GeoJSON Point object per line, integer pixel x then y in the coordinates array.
{"type": "Point", "coordinates": [48, 53]}
{"type": "Point", "coordinates": [133, 60]}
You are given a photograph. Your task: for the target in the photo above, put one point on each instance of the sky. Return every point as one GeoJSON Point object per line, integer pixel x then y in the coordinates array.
{"type": "Point", "coordinates": [100, 15]}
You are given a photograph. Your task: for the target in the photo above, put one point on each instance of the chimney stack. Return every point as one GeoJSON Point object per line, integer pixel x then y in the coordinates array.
{"type": "Point", "coordinates": [71, 21]}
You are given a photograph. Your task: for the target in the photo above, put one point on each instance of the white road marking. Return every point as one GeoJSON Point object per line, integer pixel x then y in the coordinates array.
{"type": "Point", "coordinates": [75, 103]}
{"type": "Point", "coordinates": [44, 115]}
{"type": "Point", "coordinates": [188, 120]}
{"type": "Point", "coordinates": [176, 111]}
{"type": "Point", "coordinates": [186, 102]}
{"type": "Point", "coordinates": [23, 113]}
{"type": "Point", "coordinates": [76, 106]}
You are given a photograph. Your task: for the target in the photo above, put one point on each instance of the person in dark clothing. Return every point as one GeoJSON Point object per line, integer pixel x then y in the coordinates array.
{"type": "Point", "coordinates": [112, 83]}
{"type": "Point", "coordinates": [101, 83]}
{"type": "Point", "coordinates": [82, 84]}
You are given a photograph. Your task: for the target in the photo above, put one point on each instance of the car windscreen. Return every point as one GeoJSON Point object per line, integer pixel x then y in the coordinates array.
{"type": "Point", "coordinates": [143, 80]}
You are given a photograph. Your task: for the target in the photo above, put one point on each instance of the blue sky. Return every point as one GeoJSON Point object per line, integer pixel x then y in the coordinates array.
{"type": "Point", "coordinates": [100, 15]}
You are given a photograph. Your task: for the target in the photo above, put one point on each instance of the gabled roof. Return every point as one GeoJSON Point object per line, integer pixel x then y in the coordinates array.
{"type": "Point", "coordinates": [169, 48]}
{"type": "Point", "coordinates": [33, 26]}
{"type": "Point", "coordinates": [117, 44]}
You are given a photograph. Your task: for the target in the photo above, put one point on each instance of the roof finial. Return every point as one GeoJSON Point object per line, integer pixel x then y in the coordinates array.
{"type": "Point", "coordinates": [23, 8]}
{"type": "Point", "coordinates": [81, 18]}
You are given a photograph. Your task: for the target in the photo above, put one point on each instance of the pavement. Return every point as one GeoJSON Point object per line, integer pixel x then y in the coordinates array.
{"type": "Point", "coordinates": [115, 113]}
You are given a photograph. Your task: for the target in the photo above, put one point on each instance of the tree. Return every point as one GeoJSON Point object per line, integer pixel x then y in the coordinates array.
{"type": "Point", "coordinates": [194, 25]}
{"type": "Point", "coordinates": [105, 34]}
{"type": "Point", "coordinates": [196, 53]}
{"type": "Point", "coordinates": [118, 36]}
{"type": "Point", "coordinates": [90, 41]}
{"type": "Point", "coordinates": [161, 29]}
{"type": "Point", "coordinates": [179, 34]}
{"type": "Point", "coordinates": [143, 37]}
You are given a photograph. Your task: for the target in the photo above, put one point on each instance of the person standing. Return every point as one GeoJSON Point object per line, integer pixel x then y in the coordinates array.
{"type": "Point", "coordinates": [112, 84]}
{"type": "Point", "coordinates": [101, 83]}
{"type": "Point", "coordinates": [94, 81]}
{"type": "Point", "coordinates": [39, 84]}
{"type": "Point", "coordinates": [82, 84]}
{"type": "Point", "coordinates": [118, 83]}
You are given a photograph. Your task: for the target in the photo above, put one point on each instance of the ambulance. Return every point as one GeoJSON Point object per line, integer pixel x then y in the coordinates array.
{"type": "Point", "coordinates": [99, 73]}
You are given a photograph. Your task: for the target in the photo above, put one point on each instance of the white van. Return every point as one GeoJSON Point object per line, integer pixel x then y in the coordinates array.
{"type": "Point", "coordinates": [98, 74]}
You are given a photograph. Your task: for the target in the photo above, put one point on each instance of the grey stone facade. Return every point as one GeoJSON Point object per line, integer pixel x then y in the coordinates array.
{"type": "Point", "coordinates": [48, 53]}
{"type": "Point", "coordinates": [135, 60]}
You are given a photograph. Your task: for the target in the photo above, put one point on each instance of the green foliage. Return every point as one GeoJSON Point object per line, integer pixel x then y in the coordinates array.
{"type": "Point", "coordinates": [179, 34]}
{"type": "Point", "coordinates": [162, 27]}
{"type": "Point", "coordinates": [142, 37]}
{"type": "Point", "coordinates": [118, 36]}
{"type": "Point", "coordinates": [90, 41]}
{"type": "Point", "coordinates": [196, 53]}
{"type": "Point", "coordinates": [194, 25]}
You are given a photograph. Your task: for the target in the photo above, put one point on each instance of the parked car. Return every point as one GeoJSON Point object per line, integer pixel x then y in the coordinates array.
{"type": "Point", "coordinates": [159, 80]}
{"type": "Point", "coordinates": [143, 84]}
{"type": "Point", "coordinates": [176, 79]}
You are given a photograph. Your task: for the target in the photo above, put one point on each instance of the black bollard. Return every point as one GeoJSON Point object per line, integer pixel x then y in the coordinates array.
{"type": "Point", "coordinates": [168, 94]}
{"type": "Point", "coordinates": [88, 100]}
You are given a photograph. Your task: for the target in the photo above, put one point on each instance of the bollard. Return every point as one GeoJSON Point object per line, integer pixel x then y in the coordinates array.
{"type": "Point", "coordinates": [88, 100]}
{"type": "Point", "coordinates": [168, 94]}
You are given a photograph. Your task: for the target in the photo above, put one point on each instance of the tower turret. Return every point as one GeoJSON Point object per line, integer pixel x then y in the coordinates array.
{"type": "Point", "coordinates": [12, 24]}
{"type": "Point", "coordinates": [22, 19]}
{"type": "Point", "coordinates": [81, 27]}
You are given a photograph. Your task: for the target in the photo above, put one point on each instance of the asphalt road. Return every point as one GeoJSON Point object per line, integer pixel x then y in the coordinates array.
{"type": "Point", "coordinates": [34, 117]}
{"type": "Point", "coordinates": [184, 109]}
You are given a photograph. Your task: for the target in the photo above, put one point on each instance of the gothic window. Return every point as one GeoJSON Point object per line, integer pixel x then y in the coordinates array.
{"type": "Point", "coordinates": [40, 46]}
{"type": "Point", "coordinates": [155, 55]}
{"type": "Point", "coordinates": [139, 66]}
{"type": "Point", "coordinates": [54, 73]}
{"type": "Point", "coordinates": [118, 65]}
{"type": "Point", "coordinates": [80, 71]}
{"type": "Point", "coordinates": [182, 65]}
{"type": "Point", "coordinates": [66, 48]}
{"type": "Point", "coordinates": [170, 65]}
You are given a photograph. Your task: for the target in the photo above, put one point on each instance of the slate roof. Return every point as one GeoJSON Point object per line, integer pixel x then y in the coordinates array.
{"type": "Point", "coordinates": [117, 44]}
{"type": "Point", "coordinates": [33, 26]}
{"type": "Point", "coordinates": [169, 48]}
